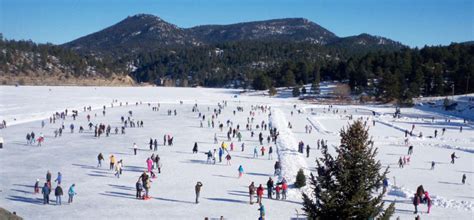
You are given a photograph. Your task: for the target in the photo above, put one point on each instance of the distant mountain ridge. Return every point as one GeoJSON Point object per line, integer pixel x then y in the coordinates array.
{"type": "Point", "coordinates": [145, 33]}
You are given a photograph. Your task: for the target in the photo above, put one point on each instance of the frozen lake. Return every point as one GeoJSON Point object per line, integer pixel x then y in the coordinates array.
{"type": "Point", "coordinates": [102, 195]}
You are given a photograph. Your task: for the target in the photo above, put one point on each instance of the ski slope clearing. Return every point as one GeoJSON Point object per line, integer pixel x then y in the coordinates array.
{"type": "Point", "coordinates": [101, 195]}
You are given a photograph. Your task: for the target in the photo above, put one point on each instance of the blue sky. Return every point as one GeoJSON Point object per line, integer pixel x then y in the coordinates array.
{"type": "Point", "coordinates": [412, 22]}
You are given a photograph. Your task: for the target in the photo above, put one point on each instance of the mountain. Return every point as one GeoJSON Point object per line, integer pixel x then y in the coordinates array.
{"type": "Point", "coordinates": [134, 34]}
{"type": "Point", "coordinates": [146, 33]}
{"type": "Point", "coordinates": [290, 29]}
{"type": "Point", "coordinates": [365, 43]}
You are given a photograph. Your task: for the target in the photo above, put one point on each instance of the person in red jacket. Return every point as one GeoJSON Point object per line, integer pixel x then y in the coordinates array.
{"type": "Point", "coordinates": [263, 150]}
{"type": "Point", "coordinates": [259, 194]}
{"type": "Point", "coordinates": [284, 189]}
{"type": "Point", "coordinates": [277, 190]}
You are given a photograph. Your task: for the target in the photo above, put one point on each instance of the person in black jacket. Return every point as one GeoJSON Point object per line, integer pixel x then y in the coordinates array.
{"type": "Point", "coordinates": [58, 192]}
{"type": "Point", "coordinates": [270, 186]}
{"type": "Point", "coordinates": [195, 148]}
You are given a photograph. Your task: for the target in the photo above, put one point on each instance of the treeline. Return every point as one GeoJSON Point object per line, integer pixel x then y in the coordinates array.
{"type": "Point", "coordinates": [28, 56]}
{"type": "Point", "coordinates": [218, 65]}
{"type": "Point", "coordinates": [400, 75]}
{"type": "Point", "coordinates": [385, 74]}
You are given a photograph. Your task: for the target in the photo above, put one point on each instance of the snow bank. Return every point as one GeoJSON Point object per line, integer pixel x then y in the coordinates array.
{"type": "Point", "coordinates": [287, 149]}
{"type": "Point", "coordinates": [436, 200]}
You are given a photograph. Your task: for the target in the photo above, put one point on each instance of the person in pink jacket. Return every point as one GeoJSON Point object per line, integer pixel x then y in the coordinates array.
{"type": "Point", "coordinates": [149, 164]}
{"type": "Point", "coordinates": [428, 201]}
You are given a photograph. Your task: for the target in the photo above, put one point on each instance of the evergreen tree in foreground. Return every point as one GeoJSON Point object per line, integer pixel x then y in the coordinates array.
{"type": "Point", "coordinates": [347, 186]}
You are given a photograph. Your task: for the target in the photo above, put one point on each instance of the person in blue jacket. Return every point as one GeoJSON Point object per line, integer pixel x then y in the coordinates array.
{"type": "Point", "coordinates": [71, 193]}
{"type": "Point", "coordinates": [262, 212]}
{"type": "Point", "coordinates": [241, 171]}
{"type": "Point", "coordinates": [59, 178]}
{"type": "Point", "coordinates": [46, 191]}
{"type": "Point", "coordinates": [221, 152]}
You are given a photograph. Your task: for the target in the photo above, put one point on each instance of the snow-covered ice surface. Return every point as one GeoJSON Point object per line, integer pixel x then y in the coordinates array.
{"type": "Point", "coordinates": [103, 196]}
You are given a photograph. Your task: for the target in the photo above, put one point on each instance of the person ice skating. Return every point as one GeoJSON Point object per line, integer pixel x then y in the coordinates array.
{"type": "Point", "coordinates": [270, 186]}
{"type": "Point", "coordinates": [71, 193]}
{"type": "Point", "coordinates": [135, 148]}
{"type": "Point", "coordinates": [262, 149]}
{"type": "Point", "coordinates": [221, 153]}
{"type": "Point", "coordinates": [46, 191]}
{"type": "Point", "coordinates": [453, 156]}
{"type": "Point", "coordinates": [48, 179]}
{"type": "Point", "coordinates": [464, 179]}
{"type": "Point", "coordinates": [40, 140]}
{"type": "Point", "coordinates": [209, 157]}
{"type": "Point", "coordinates": [197, 188]}
{"type": "Point", "coordinates": [59, 178]}
{"type": "Point", "coordinates": [255, 153]}
{"type": "Point", "coordinates": [410, 150]}
{"type": "Point", "coordinates": [433, 165]}
{"type": "Point", "coordinates": [118, 169]}
{"type": "Point", "coordinates": [149, 164]}
{"type": "Point", "coordinates": [262, 212]}
{"type": "Point", "coordinates": [241, 171]}
{"type": "Point", "coordinates": [58, 192]}
{"type": "Point", "coordinates": [259, 194]}
{"type": "Point", "coordinates": [420, 191]}
{"type": "Point", "coordinates": [400, 162]}
{"type": "Point", "coordinates": [139, 188]}
{"type": "Point", "coordinates": [28, 138]}
{"type": "Point", "coordinates": [195, 148]}
{"type": "Point", "coordinates": [155, 145]}
{"type": "Point", "coordinates": [270, 153]}
{"type": "Point", "coordinates": [277, 167]}
{"type": "Point", "coordinates": [284, 189]}
{"type": "Point", "coordinates": [251, 192]}
{"type": "Point", "coordinates": [435, 133]}
{"type": "Point", "coordinates": [277, 191]}
{"type": "Point", "coordinates": [307, 150]}
{"type": "Point", "coordinates": [385, 183]}
{"type": "Point", "coordinates": [428, 201]}
{"type": "Point", "coordinates": [151, 144]}
{"type": "Point", "coordinates": [228, 157]}
{"type": "Point", "coordinates": [112, 162]}
{"type": "Point", "coordinates": [36, 188]}
{"type": "Point", "coordinates": [147, 186]}
{"type": "Point", "coordinates": [416, 202]}
{"type": "Point", "coordinates": [100, 158]}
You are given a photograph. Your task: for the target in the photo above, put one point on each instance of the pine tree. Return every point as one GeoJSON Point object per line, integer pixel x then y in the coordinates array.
{"type": "Point", "coordinates": [345, 185]}
{"type": "Point", "coordinates": [315, 84]}
{"type": "Point", "coordinates": [300, 179]}
{"type": "Point", "coordinates": [296, 91]}
{"type": "Point", "coordinates": [272, 91]}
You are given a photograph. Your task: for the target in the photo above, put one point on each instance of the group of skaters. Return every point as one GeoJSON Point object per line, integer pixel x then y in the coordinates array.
{"type": "Point", "coordinates": [46, 189]}
{"type": "Point", "coordinates": [31, 138]}
{"type": "Point", "coordinates": [279, 189]}
{"type": "Point", "coordinates": [421, 197]}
